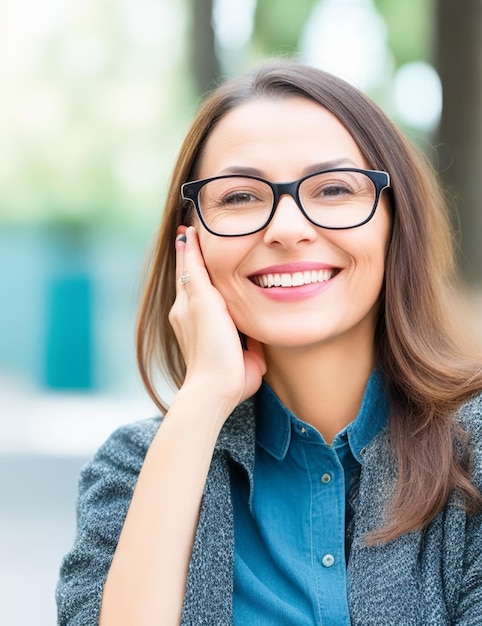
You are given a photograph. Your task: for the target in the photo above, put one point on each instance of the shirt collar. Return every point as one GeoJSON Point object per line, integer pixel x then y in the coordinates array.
{"type": "Point", "coordinates": [371, 418]}
{"type": "Point", "coordinates": [273, 424]}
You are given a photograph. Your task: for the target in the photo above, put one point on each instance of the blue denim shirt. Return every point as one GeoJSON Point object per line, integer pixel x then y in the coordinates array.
{"type": "Point", "coordinates": [292, 532]}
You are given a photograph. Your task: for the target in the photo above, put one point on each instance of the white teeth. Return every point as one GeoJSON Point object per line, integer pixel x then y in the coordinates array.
{"type": "Point", "coordinates": [293, 280]}
{"type": "Point", "coordinates": [298, 279]}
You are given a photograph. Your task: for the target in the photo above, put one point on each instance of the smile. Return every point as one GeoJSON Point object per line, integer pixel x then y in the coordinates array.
{"type": "Point", "coordinates": [295, 279]}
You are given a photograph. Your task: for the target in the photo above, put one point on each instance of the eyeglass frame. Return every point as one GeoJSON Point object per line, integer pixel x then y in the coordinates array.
{"type": "Point", "coordinates": [190, 192]}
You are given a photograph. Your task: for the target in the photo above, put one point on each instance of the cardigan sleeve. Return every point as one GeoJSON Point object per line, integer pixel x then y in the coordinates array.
{"type": "Point", "coordinates": [105, 491]}
{"type": "Point", "coordinates": [469, 611]}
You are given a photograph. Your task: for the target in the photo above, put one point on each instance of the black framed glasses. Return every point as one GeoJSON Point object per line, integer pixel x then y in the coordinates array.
{"type": "Point", "coordinates": [336, 199]}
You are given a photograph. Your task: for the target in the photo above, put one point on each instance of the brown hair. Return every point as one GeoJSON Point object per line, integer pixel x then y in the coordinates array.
{"type": "Point", "coordinates": [427, 376]}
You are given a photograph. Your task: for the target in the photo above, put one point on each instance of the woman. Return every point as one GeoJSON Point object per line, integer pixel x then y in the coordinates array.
{"type": "Point", "coordinates": [321, 460]}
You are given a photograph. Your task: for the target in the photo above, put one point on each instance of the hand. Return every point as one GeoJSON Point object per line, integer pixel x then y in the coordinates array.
{"type": "Point", "coordinates": [207, 335]}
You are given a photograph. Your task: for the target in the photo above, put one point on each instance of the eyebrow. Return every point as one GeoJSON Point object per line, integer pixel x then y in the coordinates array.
{"type": "Point", "coordinates": [310, 169]}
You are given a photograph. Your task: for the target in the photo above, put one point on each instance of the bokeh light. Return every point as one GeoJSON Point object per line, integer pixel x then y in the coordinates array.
{"type": "Point", "coordinates": [417, 96]}
{"type": "Point", "coordinates": [348, 38]}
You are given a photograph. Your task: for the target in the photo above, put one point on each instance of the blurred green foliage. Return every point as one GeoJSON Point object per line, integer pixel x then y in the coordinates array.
{"type": "Point", "coordinates": [410, 26]}
{"type": "Point", "coordinates": [278, 27]}
{"type": "Point", "coordinates": [94, 98]}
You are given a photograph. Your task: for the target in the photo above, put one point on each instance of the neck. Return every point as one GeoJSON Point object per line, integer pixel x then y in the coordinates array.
{"type": "Point", "coordinates": [322, 385]}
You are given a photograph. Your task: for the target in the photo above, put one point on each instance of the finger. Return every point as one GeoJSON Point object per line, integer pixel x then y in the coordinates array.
{"type": "Point", "coordinates": [192, 262]}
{"type": "Point", "coordinates": [179, 246]}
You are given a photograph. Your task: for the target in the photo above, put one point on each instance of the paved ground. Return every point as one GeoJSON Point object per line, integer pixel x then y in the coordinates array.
{"type": "Point", "coordinates": [44, 441]}
{"type": "Point", "coordinates": [36, 528]}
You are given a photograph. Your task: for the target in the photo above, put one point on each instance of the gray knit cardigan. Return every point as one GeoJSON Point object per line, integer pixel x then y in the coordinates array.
{"type": "Point", "coordinates": [429, 578]}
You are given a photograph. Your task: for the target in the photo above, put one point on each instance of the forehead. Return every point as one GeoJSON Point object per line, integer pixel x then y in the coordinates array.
{"type": "Point", "coordinates": [282, 136]}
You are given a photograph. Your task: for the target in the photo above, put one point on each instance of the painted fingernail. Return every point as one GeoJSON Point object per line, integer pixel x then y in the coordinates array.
{"type": "Point", "coordinates": [181, 238]}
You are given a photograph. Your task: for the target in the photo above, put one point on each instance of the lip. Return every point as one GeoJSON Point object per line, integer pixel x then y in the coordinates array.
{"type": "Point", "coordinates": [290, 292]}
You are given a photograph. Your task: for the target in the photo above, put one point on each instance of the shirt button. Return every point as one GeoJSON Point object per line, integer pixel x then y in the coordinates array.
{"type": "Point", "coordinates": [326, 478]}
{"type": "Point", "coordinates": [328, 560]}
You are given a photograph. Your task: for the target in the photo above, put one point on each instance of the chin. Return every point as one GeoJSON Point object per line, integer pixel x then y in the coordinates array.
{"type": "Point", "coordinates": [290, 339]}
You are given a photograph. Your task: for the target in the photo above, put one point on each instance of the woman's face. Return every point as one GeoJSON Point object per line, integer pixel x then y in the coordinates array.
{"type": "Point", "coordinates": [281, 140]}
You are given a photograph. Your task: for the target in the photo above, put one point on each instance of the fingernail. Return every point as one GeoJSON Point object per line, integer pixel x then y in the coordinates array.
{"type": "Point", "coordinates": [181, 238]}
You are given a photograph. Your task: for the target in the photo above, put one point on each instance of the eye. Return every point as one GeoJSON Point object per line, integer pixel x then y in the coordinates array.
{"type": "Point", "coordinates": [334, 189]}
{"type": "Point", "coordinates": [330, 192]}
{"type": "Point", "coordinates": [238, 198]}
{"type": "Point", "coordinates": [232, 193]}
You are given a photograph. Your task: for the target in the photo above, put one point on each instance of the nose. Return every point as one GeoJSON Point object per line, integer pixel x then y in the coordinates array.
{"type": "Point", "coordinates": [288, 226]}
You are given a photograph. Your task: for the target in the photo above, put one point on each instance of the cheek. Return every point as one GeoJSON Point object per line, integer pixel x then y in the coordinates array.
{"type": "Point", "coordinates": [219, 257]}
{"type": "Point", "coordinates": [366, 260]}
{"type": "Point", "coordinates": [372, 247]}
{"type": "Point", "coordinates": [370, 265]}
{"type": "Point", "coordinates": [226, 258]}
{"type": "Point", "coordinates": [224, 262]}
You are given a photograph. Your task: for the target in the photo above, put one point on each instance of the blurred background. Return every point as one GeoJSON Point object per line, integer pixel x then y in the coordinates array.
{"type": "Point", "coordinates": [95, 97]}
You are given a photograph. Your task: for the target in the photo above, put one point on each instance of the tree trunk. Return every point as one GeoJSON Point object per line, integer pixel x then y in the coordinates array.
{"type": "Point", "coordinates": [459, 60]}
{"type": "Point", "coordinates": [204, 62]}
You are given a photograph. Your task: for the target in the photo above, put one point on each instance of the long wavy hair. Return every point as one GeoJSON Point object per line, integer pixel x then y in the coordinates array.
{"type": "Point", "coordinates": [427, 374]}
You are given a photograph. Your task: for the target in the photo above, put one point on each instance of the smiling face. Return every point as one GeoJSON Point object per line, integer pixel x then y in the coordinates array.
{"type": "Point", "coordinates": [293, 284]}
